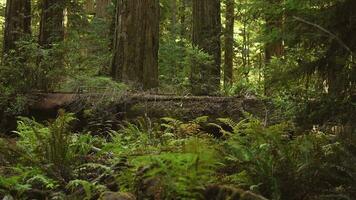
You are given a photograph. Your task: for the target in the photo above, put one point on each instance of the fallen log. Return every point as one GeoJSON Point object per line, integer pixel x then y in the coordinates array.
{"type": "Point", "coordinates": [107, 110]}
{"type": "Point", "coordinates": [130, 106]}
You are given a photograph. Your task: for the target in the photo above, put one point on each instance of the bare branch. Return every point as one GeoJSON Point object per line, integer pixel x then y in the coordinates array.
{"type": "Point", "coordinates": [326, 31]}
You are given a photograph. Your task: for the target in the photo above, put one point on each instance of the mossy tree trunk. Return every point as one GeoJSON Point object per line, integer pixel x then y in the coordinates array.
{"type": "Point", "coordinates": [229, 43]}
{"type": "Point", "coordinates": [101, 9]}
{"type": "Point", "coordinates": [274, 47]}
{"type": "Point", "coordinates": [52, 22]}
{"type": "Point", "coordinates": [136, 43]}
{"type": "Point", "coordinates": [17, 22]}
{"type": "Point", "coordinates": [205, 78]}
{"type": "Point", "coordinates": [51, 36]}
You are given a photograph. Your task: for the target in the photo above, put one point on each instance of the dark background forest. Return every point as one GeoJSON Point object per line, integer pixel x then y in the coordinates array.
{"type": "Point", "coordinates": [177, 99]}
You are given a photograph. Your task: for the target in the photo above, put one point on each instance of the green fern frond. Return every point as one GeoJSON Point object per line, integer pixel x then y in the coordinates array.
{"type": "Point", "coordinates": [202, 119]}
{"type": "Point", "coordinates": [87, 186]}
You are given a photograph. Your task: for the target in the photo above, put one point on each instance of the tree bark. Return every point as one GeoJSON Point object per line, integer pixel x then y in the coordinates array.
{"type": "Point", "coordinates": [274, 23]}
{"type": "Point", "coordinates": [274, 48]}
{"type": "Point", "coordinates": [136, 43]}
{"type": "Point", "coordinates": [101, 9]}
{"type": "Point", "coordinates": [17, 22]}
{"type": "Point", "coordinates": [52, 22]}
{"type": "Point", "coordinates": [183, 19]}
{"type": "Point", "coordinates": [174, 12]}
{"type": "Point", "coordinates": [205, 78]}
{"type": "Point", "coordinates": [131, 106]}
{"type": "Point", "coordinates": [229, 43]}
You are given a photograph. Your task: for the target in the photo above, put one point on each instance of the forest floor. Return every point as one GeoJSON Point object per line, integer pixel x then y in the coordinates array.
{"type": "Point", "coordinates": [144, 146]}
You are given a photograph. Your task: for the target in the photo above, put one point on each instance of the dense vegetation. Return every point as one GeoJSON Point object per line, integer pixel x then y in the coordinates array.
{"type": "Point", "coordinates": [126, 62]}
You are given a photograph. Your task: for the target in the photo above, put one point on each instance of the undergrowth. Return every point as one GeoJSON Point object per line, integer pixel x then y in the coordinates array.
{"type": "Point", "coordinates": [172, 159]}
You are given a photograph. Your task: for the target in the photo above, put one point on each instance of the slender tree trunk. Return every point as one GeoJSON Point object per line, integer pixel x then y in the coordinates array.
{"type": "Point", "coordinates": [27, 17]}
{"type": "Point", "coordinates": [52, 22]}
{"type": "Point", "coordinates": [101, 9]}
{"type": "Point", "coordinates": [229, 43]}
{"type": "Point", "coordinates": [205, 78]}
{"type": "Point", "coordinates": [17, 22]}
{"type": "Point", "coordinates": [174, 9]}
{"type": "Point", "coordinates": [112, 26]}
{"type": "Point", "coordinates": [136, 43]}
{"type": "Point", "coordinates": [182, 20]}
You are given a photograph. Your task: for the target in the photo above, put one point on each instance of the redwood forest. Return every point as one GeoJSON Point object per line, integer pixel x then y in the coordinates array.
{"type": "Point", "coordinates": [177, 99]}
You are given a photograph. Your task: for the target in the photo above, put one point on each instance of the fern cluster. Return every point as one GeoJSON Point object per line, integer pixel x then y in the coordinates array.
{"type": "Point", "coordinates": [173, 159]}
{"type": "Point", "coordinates": [279, 165]}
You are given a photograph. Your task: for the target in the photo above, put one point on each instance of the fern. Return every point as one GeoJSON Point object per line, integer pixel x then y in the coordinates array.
{"type": "Point", "coordinates": [48, 183]}
{"type": "Point", "coordinates": [53, 146]}
{"type": "Point", "coordinates": [202, 119]}
{"type": "Point", "coordinates": [182, 174]}
{"type": "Point", "coordinates": [13, 183]}
{"type": "Point", "coordinates": [86, 185]}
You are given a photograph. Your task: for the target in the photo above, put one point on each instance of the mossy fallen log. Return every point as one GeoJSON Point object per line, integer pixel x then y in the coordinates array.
{"type": "Point", "coordinates": [107, 110]}
{"type": "Point", "coordinates": [130, 106]}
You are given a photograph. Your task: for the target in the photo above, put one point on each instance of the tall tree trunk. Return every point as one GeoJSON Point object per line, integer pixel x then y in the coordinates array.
{"type": "Point", "coordinates": [229, 43]}
{"type": "Point", "coordinates": [274, 23]}
{"type": "Point", "coordinates": [101, 9]}
{"type": "Point", "coordinates": [136, 43]}
{"type": "Point", "coordinates": [17, 22]}
{"type": "Point", "coordinates": [51, 33]}
{"type": "Point", "coordinates": [173, 25]}
{"type": "Point", "coordinates": [27, 17]}
{"type": "Point", "coordinates": [113, 18]}
{"type": "Point", "coordinates": [52, 22]}
{"type": "Point", "coordinates": [205, 78]}
{"type": "Point", "coordinates": [274, 48]}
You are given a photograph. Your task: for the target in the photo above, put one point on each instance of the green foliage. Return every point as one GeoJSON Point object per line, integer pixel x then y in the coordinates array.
{"type": "Point", "coordinates": [31, 67]}
{"type": "Point", "coordinates": [269, 161]}
{"type": "Point", "coordinates": [50, 145]}
{"type": "Point", "coordinates": [244, 87]}
{"type": "Point", "coordinates": [312, 82]}
{"type": "Point", "coordinates": [48, 158]}
{"type": "Point", "coordinates": [174, 159]}
{"type": "Point", "coordinates": [87, 84]}
{"type": "Point", "coordinates": [27, 69]}
{"type": "Point", "coordinates": [141, 136]}
{"type": "Point", "coordinates": [87, 186]}
{"type": "Point", "coordinates": [13, 183]}
{"type": "Point", "coordinates": [182, 174]}
{"type": "Point", "coordinates": [88, 47]}
{"type": "Point", "coordinates": [174, 128]}
{"type": "Point", "coordinates": [21, 179]}
{"type": "Point", "coordinates": [176, 56]}
{"type": "Point", "coordinates": [168, 155]}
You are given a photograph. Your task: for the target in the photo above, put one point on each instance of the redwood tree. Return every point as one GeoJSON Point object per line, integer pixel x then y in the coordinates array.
{"type": "Point", "coordinates": [274, 47]}
{"type": "Point", "coordinates": [205, 78]}
{"type": "Point", "coordinates": [52, 22]}
{"type": "Point", "coordinates": [17, 22]}
{"type": "Point", "coordinates": [136, 43]}
{"type": "Point", "coordinates": [101, 9]}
